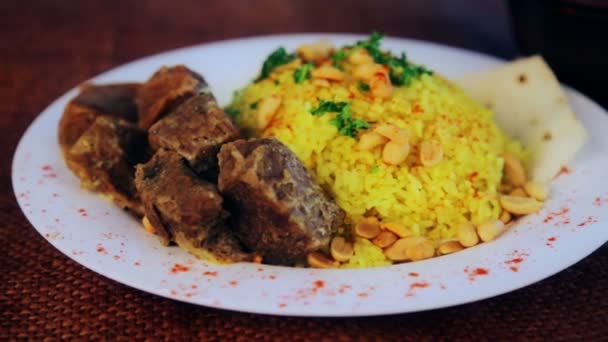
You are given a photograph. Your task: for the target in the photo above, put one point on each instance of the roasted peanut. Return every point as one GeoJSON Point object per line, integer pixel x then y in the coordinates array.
{"type": "Point", "coordinates": [368, 228]}
{"type": "Point", "coordinates": [420, 251]}
{"type": "Point", "coordinates": [267, 108]}
{"type": "Point", "coordinates": [519, 192]}
{"type": "Point", "coordinates": [490, 230]}
{"type": "Point", "coordinates": [536, 190]}
{"type": "Point", "coordinates": [341, 250]}
{"type": "Point", "coordinates": [514, 170]}
{"type": "Point", "coordinates": [366, 71]}
{"type": "Point", "coordinates": [395, 153]}
{"type": "Point", "coordinates": [318, 260]}
{"type": "Point", "coordinates": [520, 205]}
{"type": "Point", "coordinates": [505, 217]}
{"type": "Point", "coordinates": [321, 83]}
{"type": "Point", "coordinates": [431, 153]}
{"type": "Point", "coordinates": [398, 250]}
{"type": "Point", "coordinates": [505, 188]}
{"type": "Point", "coordinates": [467, 236]}
{"type": "Point", "coordinates": [449, 247]}
{"type": "Point", "coordinates": [315, 52]}
{"type": "Point", "coordinates": [380, 85]}
{"type": "Point", "coordinates": [328, 72]}
{"type": "Point", "coordinates": [385, 239]}
{"type": "Point", "coordinates": [147, 225]}
{"type": "Point", "coordinates": [369, 140]}
{"type": "Point", "coordinates": [360, 56]}
{"type": "Point", "coordinates": [396, 228]}
{"type": "Point", "coordinates": [392, 132]}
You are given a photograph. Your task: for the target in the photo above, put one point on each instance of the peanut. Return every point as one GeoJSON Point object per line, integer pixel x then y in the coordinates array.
{"type": "Point", "coordinates": [514, 170]}
{"type": "Point", "coordinates": [431, 153]}
{"type": "Point", "coordinates": [341, 250]}
{"type": "Point", "coordinates": [370, 140]}
{"type": "Point", "coordinates": [420, 251]}
{"type": "Point", "coordinates": [519, 192]}
{"type": "Point", "coordinates": [490, 230]}
{"type": "Point", "coordinates": [315, 52]}
{"type": "Point", "coordinates": [360, 56]}
{"type": "Point", "coordinates": [505, 217]}
{"type": "Point", "coordinates": [395, 153]}
{"type": "Point", "coordinates": [147, 225]}
{"type": "Point", "coordinates": [368, 228]}
{"type": "Point", "coordinates": [396, 228]}
{"type": "Point", "coordinates": [449, 247]}
{"type": "Point", "coordinates": [385, 239]}
{"type": "Point", "coordinates": [318, 260]}
{"type": "Point", "coordinates": [536, 190]}
{"type": "Point", "coordinates": [467, 235]}
{"type": "Point", "coordinates": [398, 250]}
{"type": "Point", "coordinates": [520, 205]}
{"type": "Point", "coordinates": [267, 108]}
{"type": "Point", "coordinates": [392, 132]}
{"type": "Point", "coordinates": [328, 73]}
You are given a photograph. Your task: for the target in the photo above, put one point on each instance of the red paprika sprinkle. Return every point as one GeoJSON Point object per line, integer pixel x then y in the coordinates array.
{"type": "Point", "coordinates": [177, 268]}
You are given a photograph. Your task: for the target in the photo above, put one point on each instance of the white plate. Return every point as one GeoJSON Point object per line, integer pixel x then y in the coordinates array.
{"type": "Point", "coordinates": [106, 240]}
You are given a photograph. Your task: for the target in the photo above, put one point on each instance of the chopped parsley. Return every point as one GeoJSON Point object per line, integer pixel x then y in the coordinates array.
{"type": "Point", "coordinates": [344, 121]}
{"type": "Point", "coordinates": [363, 86]}
{"type": "Point", "coordinates": [338, 56]}
{"type": "Point", "coordinates": [401, 73]}
{"type": "Point", "coordinates": [346, 124]}
{"type": "Point", "coordinates": [232, 112]}
{"type": "Point", "coordinates": [328, 106]}
{"type": "Point", "coordinates": [374, 169]}
{"type": "Point", "coordinates": [254, 105]}
{"type": "Point", "coordinates": [277, 57]}
{"type": "Point", "coordinates": [302, 73]}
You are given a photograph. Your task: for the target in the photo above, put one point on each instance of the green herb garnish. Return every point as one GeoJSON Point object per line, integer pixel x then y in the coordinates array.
{"type": "Point", "coordinates": [374, 169]}
{"type": "Point", "coordinates": [402, 72]}
{"type": "Point", "coordinates": [346, 124]}
{"type": "Point", "coordinates": [338, 56]}
{"type": "Point", "coordinates": [363, 86]}
{"type": "Point", "coordinates": [254, 105]}
{"type": "Point", "coordinates": [277, 57]}
{"type": "Point", "coordinates": [302, 73]}
{"type": "Point", "coordinates": [344, 121]}
{"type": "Point", "coordinates": [328, 106]}
{"type": "Point", "coordinates": [232, 112]}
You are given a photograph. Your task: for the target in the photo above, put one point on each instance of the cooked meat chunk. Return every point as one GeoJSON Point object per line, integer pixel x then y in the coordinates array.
{"type": "Point", "coordinates": [279, 211]}
{"type": "Point", "coordinates": [166, 89]}
{"type": "Point", "coordinates": [116, 100]}
{"type": "Point", "coordinates": [220, 245]}
{"type": "Point", "coordinates": [196, 130]}
{"type": "Point", "coordinates": [183, 208]}
{"type": "Point", "coordinates": [104, 158]}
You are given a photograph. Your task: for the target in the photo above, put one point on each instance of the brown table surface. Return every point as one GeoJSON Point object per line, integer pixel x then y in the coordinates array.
{"type": "Point", "coordinates": [51, 46]}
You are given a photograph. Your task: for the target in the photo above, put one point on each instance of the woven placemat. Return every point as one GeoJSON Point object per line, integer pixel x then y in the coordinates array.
{"type": "Point", "coordinates": [43, 294]}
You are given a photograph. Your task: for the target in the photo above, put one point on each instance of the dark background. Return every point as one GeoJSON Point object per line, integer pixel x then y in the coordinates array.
{"type": "Point", "coordinates": [50, 46]}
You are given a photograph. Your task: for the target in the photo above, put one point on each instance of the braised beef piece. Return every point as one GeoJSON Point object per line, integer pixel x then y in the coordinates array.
{"type": "Point", "coordinates": [104, 159]}
{"type": "Point", "coordinates": [195, 129]}
{"type": "Point", "coordinates": [278, 210]}
{"type": "Point", "coordinates": [166, 89]}
{"type": "Point", "coordinates": [117, 100]}
{"type": "Point", "coordinates": [183, 208]}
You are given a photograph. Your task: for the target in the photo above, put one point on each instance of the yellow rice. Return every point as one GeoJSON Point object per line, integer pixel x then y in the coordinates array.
{"type": "Point", "coordinates": [430, 201]}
